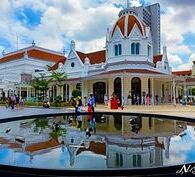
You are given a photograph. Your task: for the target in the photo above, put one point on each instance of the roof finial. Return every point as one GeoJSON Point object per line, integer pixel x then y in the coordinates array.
{"type": "Point", "coordinates": [3, 52]}
{"type": "Point", "coordinates": [33, 43]}
{"type": "Point", "coordinates": [64, 51]}
{"type": "Point", "coordinates": [128, 4]}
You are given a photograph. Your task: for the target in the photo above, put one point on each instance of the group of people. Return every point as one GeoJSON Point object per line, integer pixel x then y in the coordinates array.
{"type": "Point", "coordinates": [14, 101]}
{"type": "Point", "coordinates": [77, 103]}
{"type": "Point", "coordinates": [145, 100]}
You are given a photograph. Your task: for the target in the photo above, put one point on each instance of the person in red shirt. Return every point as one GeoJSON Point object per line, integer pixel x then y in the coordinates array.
{"type": "Point", "coordinates": [89, 109]}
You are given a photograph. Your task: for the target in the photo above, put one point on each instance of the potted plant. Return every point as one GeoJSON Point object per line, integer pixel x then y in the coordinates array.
{"type": "Point", "coordinates": [129, 99]}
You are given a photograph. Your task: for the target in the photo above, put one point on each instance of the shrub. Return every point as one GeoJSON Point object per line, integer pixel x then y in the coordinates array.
{"type": "Point", "coordinates": [76, 93]}
{"type": "Point", "coordinates": [58, 99]}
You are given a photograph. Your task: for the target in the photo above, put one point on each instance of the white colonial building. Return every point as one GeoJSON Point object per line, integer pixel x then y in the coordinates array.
{"type": "Point", "coordinates": [19, 67]}
{"type": "Point", "coordinates": [126, 67]}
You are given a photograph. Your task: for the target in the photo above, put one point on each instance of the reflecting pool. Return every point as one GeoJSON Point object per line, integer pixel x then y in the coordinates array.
{"type": "Point", "coordinates": [96, 142]}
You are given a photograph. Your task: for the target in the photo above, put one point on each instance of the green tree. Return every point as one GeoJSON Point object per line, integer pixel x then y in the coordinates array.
{"type": "Point", "coordinates": [59, 77]}
{"type": "Point", "coordinates": [76, 93]}
{"type": "Point", "coordinates": [193, 91]}
{"type": "Point", "coordinates": [40, 84]}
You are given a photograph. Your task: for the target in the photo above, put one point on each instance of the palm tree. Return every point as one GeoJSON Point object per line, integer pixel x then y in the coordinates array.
{"type": "Point", "coordinates": [40, 83]}
{"type": "Point", "coordinates": [59, 77]}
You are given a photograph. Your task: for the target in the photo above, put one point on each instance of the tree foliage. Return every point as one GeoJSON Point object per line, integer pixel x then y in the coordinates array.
{"type": "Point", "coordinates": [76, 93]}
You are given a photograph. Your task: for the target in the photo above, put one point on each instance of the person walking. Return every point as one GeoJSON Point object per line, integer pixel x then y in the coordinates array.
{"type": "Point", "coordinates": [13, 99]}
{"type": "Point", "coordinates": [92, 101]}
{"type": "Point", "coordinates": [17, 101]}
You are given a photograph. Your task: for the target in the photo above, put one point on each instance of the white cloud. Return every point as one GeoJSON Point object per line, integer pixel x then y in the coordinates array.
{"type": "Point", "coordinates": [135, 3]}
{"type": "Point", "coordinates": [192, 57]}
{"type": "Point", "coordinates": [182, 66]}
{"type": "Point", "coordinates": [61, 21]}
{"type": "Point", "coordinates": [86, 23]}
{"type": "Point", "coordinates": [94, 45]}
{"type": "Point", "coordinates": [174, 60]}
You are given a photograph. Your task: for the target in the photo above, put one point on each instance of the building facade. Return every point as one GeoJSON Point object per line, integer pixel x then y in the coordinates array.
{"type": "Point", "coordinates": [127, 67]}
{"type": "Point", "coordinates": [150, 15]}
{"type": "Point", "coordinates": [18, 68]}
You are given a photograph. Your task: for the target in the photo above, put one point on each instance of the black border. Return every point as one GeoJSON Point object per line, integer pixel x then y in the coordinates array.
{"type": "Point", "coordinates": [166, 171]}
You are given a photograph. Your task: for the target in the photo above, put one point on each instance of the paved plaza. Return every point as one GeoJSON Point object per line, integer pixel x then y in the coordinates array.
{"type": "Point", "coordinates": [179, 110]}
{"type": "Point", "coordinates": [8, 112]}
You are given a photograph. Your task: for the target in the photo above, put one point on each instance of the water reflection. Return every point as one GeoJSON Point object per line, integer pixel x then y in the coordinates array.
{"type": "Point", "coordinates": [96, 142]}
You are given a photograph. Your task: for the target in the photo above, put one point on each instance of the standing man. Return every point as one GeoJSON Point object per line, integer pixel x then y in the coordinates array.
{"type": "Point", "coordinates": [92, 101]}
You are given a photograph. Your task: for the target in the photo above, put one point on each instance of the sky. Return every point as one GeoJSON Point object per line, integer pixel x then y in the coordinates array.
{"type": "Point", "coordinates": [53, 24]}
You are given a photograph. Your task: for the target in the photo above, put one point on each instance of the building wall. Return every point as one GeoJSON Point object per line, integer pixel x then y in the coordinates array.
{"type": "Point", "coordinates": [151, 16]}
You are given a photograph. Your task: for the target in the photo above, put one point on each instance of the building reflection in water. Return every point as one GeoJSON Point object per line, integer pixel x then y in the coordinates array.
{"type": "Point", "coordinates": [129, 141]}
{"type": "Point", "coordinates": [123, 141]}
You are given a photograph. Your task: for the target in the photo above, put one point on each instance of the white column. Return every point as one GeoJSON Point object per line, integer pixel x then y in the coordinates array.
{"type": "Point", "coordinates": [153, 94]}
{"type": "Point", "coordinates": [27, 92]}
{"type": "Point", "coordinates": [171, 93]}
{"type": "Point", "coordinates": [122, 125]}
{"type": "Point", "coordinates": [122, 90]}
{"type": "Point", "coordinates": [20, 90]}
{"type": "Point", "coordinates": [30, 91]}
{"type": "Point", "coordinates": [185, 89]}
{"type": "Point", "coordinates": [83, 91]}
{"type": "Point", "coordinates": [174, 97]}
{"type": "Point", "coordinates": [53, 93]}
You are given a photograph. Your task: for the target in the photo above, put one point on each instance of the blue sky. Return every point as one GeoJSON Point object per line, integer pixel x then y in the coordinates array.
{"type": "Point", "coordinates": [53, 23]}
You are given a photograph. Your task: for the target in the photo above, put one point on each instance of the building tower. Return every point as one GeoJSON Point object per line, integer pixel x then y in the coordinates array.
{"type": "Point", "coordinates": [150, 15]}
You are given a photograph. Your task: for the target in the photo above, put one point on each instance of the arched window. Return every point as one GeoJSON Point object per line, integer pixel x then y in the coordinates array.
{"type": "Point", "coordinates": [66, 92]}
{"type": "Point", "coordinates": [149, 87]}
{"type": "Point", "coordinates": [135, 48]}
{"type": "Point", "coordinates": [149, 50]}
{"type": "Point", "coordinates": [118, 49]}
{"type": "Point", "coordinates": [78, 86]}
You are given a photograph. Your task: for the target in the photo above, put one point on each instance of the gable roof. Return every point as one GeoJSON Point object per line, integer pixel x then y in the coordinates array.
{"type": "Point", "coordinates": [129, 24]}
{"type": "Point", "coordinates": [33, 52]}
{"type": "Point", "coordinates": [55, 66]}
{"type": "Point", "coordinates": [157, 58]}
{"type": "Point", "coordinates": [94, 57]}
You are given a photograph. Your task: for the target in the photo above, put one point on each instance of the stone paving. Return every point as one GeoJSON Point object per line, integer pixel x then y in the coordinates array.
{"type": "Point", "coordinates": [179, 110]}
{"type": "Point", "coordinates": [8, 112]}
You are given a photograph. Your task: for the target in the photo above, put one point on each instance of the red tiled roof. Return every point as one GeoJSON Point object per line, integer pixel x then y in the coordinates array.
{"type": "Point", "coordinates": [157, 58]}
{"type": "Point", "coordinates": [55, 66]}
{"type": "Point", "coordinates": [132, 20]}
{"type": "Point", "coordinates": [45, 55]}
{"type": "Point", "coordinates": [96, 147]}
{"type": "Point", "coordinates": [159, 145]}
{"type": "Point", "coordinates": [142, 71]}
{"type": "Point", "coordinates": [94, 57]}
{"type": "Point", "coordinates": [33, 53]}
{"type": "Point", "coordinates": [10, 144]}
{"type": "Point", "coordinates": [42, 145]}
{"type": "Point", "coordinates": [183, 73]}
{"type": "Point", "coordinates": [121, 24]}
{"type": "Point", "coordinates": [11, 57]}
